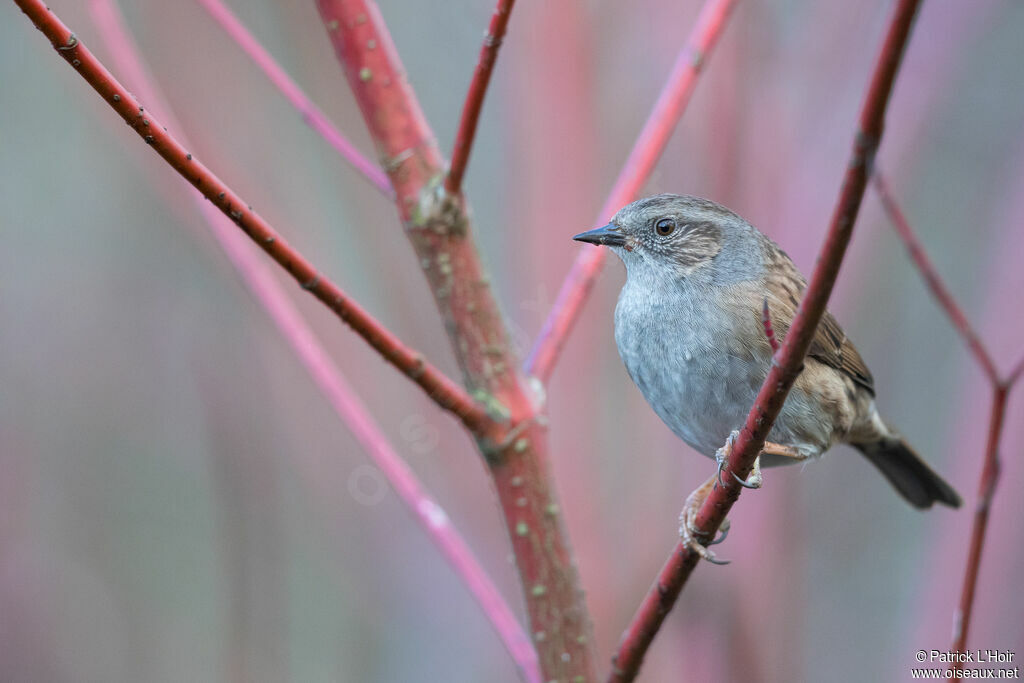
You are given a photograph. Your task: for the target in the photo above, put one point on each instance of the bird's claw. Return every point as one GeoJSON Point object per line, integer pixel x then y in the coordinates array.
{"type": "Point", "coordinates": [690, 536]}
{"type": "Point", "coordinates": [753, 480]}
{"type": "Point", "coordinates": [723, 531]}
{"type": "Point", "coordinates": [714, 559]}
{"type": "Point", "coordinates": [722, 455]}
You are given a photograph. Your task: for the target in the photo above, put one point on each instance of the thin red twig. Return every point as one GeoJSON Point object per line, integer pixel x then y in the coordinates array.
{"type": "Point", "coordinates": [257, 275]}
{"type": "Point", "coordinates": [647, 149]}
{"type": "Point", "coordinates": [311, 114]}
{"type": "Point", "coordinates": [769, 330]}
{"type": "Point", "coordinates": [784, 372]}
{"type": "Point", "coordinates": [986, 491]}
{"type": "Point", "coordinates": [990, 469]}
{"type": "Point", "coordinates": [440, 230]}
{"type": "Point", "coordinates": [440, 388]}
{"type": "Point", "coordinates": [475, 96]}
{"type": "Point", "coordinates": [931, 276]}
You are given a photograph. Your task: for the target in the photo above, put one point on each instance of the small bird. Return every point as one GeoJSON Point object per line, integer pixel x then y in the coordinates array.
{"type": "Point", "coordinates": [689, 328]}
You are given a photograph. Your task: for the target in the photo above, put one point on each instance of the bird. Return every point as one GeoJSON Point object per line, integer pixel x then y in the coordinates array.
{"type": "Point", "coordinates": [690, 330]}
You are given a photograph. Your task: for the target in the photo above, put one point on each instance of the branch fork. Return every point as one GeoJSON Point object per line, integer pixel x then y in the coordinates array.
{"type": "Point", "coordinates": [501, 408]}
{"type": "Point", "coordinates": [1001, 386]}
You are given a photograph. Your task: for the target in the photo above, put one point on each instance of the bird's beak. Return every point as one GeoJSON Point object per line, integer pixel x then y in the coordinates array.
{"type": "Point", "coordinates": [608, 235]}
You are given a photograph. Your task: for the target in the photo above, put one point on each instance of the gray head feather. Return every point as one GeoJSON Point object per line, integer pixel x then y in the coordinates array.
{"type": "Point", "coordinates": [685, 238]}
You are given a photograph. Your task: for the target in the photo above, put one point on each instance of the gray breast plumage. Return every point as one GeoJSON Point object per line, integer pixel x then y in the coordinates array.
{"type": "Point", "coordinates": [699, 358]}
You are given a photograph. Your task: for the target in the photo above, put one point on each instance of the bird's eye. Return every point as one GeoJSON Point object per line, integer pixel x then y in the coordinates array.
{"type": "Point", "coordinates": [665, 226]}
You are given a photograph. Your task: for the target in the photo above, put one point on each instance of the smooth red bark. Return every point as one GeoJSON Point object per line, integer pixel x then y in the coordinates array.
{"type": "Point", "coordinates": [789, 359]}
{"type": "Point", "coordinates": [439, 228]}
{"type": "Point", "coordinates": [990, 470]}
{"type": "Point", "coordinates": [475, 97]}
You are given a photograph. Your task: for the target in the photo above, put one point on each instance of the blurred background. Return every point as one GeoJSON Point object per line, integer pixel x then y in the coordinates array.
{"type": "Point", "coordinates": [177, 500]}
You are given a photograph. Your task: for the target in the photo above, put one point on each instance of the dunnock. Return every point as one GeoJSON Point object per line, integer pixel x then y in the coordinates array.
{"type": "Point", "coordinates": [689, 329]}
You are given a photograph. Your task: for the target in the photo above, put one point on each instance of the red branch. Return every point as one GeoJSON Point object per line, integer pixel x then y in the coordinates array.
{"type": "Point", "coordinates": [783, 373]}
{"type": "Point", "coordinates": [440, 230]}
{"type": "Point", "coordinates": [440, 388]}
{"type": "Point", "coordinates": [262, 282]}
{"type": "Point", "coordinates": [769, 331]}
{"type": "Point", "coordinates": [311, 114]}
{"type": "Point", "coordinates": [931, 277]}
{"type": "Point", "coordinates": [986, 491]}
{"type": "Point", "coordinates": [647, 149]}
{"type": "Point", "coordinates": [475, 96]}
{"type": "Point", "coordinates": [990, 468]}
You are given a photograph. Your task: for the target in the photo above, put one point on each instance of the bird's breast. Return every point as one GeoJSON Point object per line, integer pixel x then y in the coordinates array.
{"type": "Point", "coordinates": [685, 357]}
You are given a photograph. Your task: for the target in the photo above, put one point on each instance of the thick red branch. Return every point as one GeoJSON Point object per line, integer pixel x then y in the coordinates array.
{"type": "Point", "coordinates": [475, 96]}
{"type": "Point", "coordinates": [931, 277]}
{"type": "Point", "coordinates": [783, 373]}
{"type": "Point", "coordinates": [442, 390]}
{"type": "Point", "coordinates": [406, 146]}
{"type": "Point", "coordinates": [647, 149]}
{"type": "Point", "coordinates": [440, 230]}
{"type": "Point", "coordinates": [260, 278]}
{"type": "Point", "coordinates": [437, 223]}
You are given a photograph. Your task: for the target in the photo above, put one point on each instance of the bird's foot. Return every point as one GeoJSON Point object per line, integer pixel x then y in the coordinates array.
{"type": "Point", "coordinates": [722, 455]}
{"type": "Point", "coordinates": [753, 480]}
{"type": "Point", "coordinates": [783, 451]}
{"type": "Point", "coordinates": [689, 534]}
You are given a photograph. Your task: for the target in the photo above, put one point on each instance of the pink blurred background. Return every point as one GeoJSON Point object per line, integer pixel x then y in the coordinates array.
{"type": "Point", "coordinates": [177, 502]}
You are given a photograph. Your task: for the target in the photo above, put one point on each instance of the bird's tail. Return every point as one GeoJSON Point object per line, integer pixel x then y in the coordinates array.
{"type": "Point", "coordinates": [908, 473]}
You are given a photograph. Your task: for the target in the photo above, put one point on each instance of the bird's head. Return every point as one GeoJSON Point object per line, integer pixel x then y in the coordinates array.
{"type": "Point", "coordinates": [676, 236]}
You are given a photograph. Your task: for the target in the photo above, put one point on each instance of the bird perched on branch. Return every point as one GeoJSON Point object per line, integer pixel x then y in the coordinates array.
{"type": "Point", "coordinates": [690, 331]}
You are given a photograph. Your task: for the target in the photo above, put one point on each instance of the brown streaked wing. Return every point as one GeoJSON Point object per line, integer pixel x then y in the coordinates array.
{"type": "Point", "coordinates": [830, 344]}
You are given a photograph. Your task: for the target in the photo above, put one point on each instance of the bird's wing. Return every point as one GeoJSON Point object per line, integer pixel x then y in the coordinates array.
{"type": "Point", "coordinates": [830, 345]}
